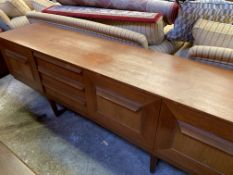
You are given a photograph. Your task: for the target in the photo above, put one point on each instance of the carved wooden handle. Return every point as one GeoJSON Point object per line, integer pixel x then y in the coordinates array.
{"type": "Point", "coordinates": [79, 86]}
{"type": "Point", "coordinates": [16, 56]}
{"type": "Point", "coordinates": [80, 100]}
{"type": "Point", "coordinates": [206, 137]}
{"type": "Point", "coordinates": [119, 100]}
{"type": "Point", "coordinates": [58, 63]}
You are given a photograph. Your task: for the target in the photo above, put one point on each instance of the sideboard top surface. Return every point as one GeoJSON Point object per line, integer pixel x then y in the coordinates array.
{"type": "Point", "coordinates": [199, 86]}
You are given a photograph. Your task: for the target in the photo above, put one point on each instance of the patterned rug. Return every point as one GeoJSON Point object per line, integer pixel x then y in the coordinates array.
{"type": "Point", "coordinates": [69, 145]}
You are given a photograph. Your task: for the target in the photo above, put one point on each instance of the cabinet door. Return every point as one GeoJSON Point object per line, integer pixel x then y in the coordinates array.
{"type": "Point", "coordinates": [21, 64]}
{"type": "Point", "coordinates": [125, 110]}
{"type": "Point", "coordinates": [194, 141]}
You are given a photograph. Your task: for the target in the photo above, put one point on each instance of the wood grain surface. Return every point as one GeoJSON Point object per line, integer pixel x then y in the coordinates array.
{"type": "Point", "coordinates": [176, 109]}
{"type": "Point", "coordinates": [196, 85]}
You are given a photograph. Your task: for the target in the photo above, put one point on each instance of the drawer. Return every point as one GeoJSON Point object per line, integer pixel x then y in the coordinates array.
{"type": "Point", "coordinates": [61, 71]}
{"type": "Point", "coordinates": [21, 64]}
{"type": "Point", "coordinates": [201, 143]}
{"type": "Point", "coordinates": [62, 88]}
{"type": "Point", "coordinates": [119, 108]}
{"type": "Point", "coordinates": [127, 111]}
{"type": "Point", "coordinates": [74, 103]}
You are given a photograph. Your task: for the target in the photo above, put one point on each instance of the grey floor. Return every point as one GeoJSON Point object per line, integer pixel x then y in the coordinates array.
{"type": "Point", "coordinates": [69, 145]}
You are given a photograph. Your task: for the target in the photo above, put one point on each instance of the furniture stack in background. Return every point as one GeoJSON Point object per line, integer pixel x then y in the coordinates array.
{"type": "Point", "coordinates": [178, 38]}
{"type": "Point", "coordinates": [13, 12]}
{"type": "Point", "coordinates": [160, 35]}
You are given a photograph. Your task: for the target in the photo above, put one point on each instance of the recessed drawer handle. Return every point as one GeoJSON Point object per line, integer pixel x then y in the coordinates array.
{"type": "Point", "coordinates": [80, 100]}
{"type": "Point", "coordinates": [206, 137]}
{"type": "Point", "coordinates": [119, 100]}
{"type": "Point", "coordinates": [62, 79]}
{"type": "Point", "coordinates": [16, 56]}
{"type": "Point", "coordinates": [57, 63]}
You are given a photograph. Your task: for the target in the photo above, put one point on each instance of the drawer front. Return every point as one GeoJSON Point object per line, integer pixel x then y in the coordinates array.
{"type": "Point", "coordinates": [127, 111]}
{"type": "Point", "coordinates": [76, 104]}
{"type": "Point", "coordinates": [200, 143]}
{"type": "Point", "coordinates": [64, 89]}
{"type": "Point", "coordinates": [63, 72]}
{"type": "Point", "coordinates": [21, 64]}
{"type": "Point", "coordinates": [62, 82]}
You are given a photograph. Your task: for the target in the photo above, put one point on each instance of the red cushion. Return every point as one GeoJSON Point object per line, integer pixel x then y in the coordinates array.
{"type": "Point", "coordinates": [100, 13]}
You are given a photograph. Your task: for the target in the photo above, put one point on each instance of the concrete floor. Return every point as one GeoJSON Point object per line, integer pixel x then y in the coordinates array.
{"type": "Point", "coordinates": [69, 145]}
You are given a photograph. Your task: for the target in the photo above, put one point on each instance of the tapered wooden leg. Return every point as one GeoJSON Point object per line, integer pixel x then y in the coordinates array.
{"type": "Point", "coordinates": [55, 109]}
{"type": "Point", "coordinates": [153, 162]}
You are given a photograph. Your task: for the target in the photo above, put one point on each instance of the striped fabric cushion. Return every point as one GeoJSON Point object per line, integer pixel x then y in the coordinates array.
{"type": "Point", "coordinates": [19, 22]}
{"type": "Point", "coordinates": [217, 64]}
{"type": "Point", "coordinates": [168, 9]}
{"type": "Point", "coordinates": [212, 33]}
{"type": "Point", "coordinates": [90, 27]}
{"type": "Point", "coordinates": [14, 8]}
{"type": "Point", "coordinates": [213, 54]}
{"type": "Point", "coordinates": [39, 5]}
{"type": "Point", "coordinates": [169, 47]}
{"type": "Point", "coordinates": [149, 24]}
{"type": "Point", "coordinates": [4, 17]}
{"type": "Point", "coordinates": [154, 32]}
{"type": "Point", "coordinates": [29, 3]}
{"type": "Point", "coordinates": [215, 10]}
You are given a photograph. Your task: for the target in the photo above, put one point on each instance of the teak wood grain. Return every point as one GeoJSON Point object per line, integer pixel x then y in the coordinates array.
{"type": "Point", "coordinates": [176, 109]}
{"type": "Point", "coordinates": [199, 86]}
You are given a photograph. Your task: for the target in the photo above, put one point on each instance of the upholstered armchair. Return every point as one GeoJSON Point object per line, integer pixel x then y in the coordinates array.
{"type": "Point", "coordinates": [213, 43]}
{"type": "Point", "coordinates": [13, 12]}
{"type": "Point", "coordinates": [178, 39]}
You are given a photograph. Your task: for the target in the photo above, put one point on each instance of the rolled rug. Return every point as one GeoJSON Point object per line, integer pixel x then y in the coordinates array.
{"type": "Point", "coordinates": [168, 9]}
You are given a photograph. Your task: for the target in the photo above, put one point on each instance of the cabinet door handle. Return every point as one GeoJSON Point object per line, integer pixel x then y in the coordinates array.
{"type": "Point", "coordinates": [16, 56]}
{"type": "Point", "coordinates": [119, 100]}
{"type": "Point", "coordinates": [206, 137]}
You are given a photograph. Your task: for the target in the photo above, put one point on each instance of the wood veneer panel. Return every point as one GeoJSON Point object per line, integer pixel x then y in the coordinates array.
{"type": "Point", "coordinates": [21, 64]}
{"type": "Point", "coordinates": [129, 112]}
{"type": "Point", "coordinates": [124, 87]}
{"type": "Point", "coordinates": [202, 87]}
{"type": "Point", "coordinates": [62, 87]}
{"type": "Point", "coordinates": [58, 72]}
{"type": "Point", "coordinates": [197, 143]}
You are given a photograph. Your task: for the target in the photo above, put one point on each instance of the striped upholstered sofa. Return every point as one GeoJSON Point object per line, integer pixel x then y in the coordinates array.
{"type": "Point", "coordinates": [13, 12]}
{"type": "Point", "coordinates": [206, 51]}
{"type": "Point", "coordinates": [219, 56]}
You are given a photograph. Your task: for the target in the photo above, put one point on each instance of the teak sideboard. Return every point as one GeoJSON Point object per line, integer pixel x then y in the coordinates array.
{"type": "Point", "coordinates": [175, 109]}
